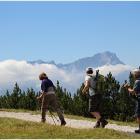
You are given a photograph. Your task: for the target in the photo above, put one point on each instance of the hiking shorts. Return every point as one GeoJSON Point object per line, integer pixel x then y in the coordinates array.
{"type": "Point", "coordinates": [95, 103]}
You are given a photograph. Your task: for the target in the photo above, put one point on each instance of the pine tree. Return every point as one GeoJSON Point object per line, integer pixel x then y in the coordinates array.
{"type": "Point", "coordinates": [15, 96]}
{"type": "Point", "coordinates": [109, 88]}
{"type": "Point", "coordinates": [31, 101]}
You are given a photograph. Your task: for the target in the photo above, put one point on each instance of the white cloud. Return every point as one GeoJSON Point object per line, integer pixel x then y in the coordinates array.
{"type": "Point", "coordinates": [120, 72]}
{"type": "Point", "coordinates": [26, 75]}
{"type": "Point", "coordinates": [114, 69]}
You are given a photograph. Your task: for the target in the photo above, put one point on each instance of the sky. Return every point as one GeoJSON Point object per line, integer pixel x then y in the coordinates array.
{"type": "Point", "coordinates": [67, 31]}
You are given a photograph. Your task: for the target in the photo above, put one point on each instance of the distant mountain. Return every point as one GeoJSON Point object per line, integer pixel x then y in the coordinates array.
{"type": "Point", "coordinates": [97, 60]}
{"type": "Point", "coordinates": [39, 61]}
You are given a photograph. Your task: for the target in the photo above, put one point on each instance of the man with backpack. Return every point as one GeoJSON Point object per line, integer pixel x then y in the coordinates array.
{"type": "Point", "coordinates": [49, 98]}
{"type": "Point", "coordinates": [95, 98]}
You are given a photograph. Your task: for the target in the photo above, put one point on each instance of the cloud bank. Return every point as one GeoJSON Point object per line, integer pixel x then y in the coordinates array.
{"type": "Point", "coordinates": [26, 75]}
{"type": "Point", "coordinates": [114, 69]}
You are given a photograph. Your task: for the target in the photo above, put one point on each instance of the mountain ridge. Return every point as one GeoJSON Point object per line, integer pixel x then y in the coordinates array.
{"type": "Point", "coordinates": [97, 60]}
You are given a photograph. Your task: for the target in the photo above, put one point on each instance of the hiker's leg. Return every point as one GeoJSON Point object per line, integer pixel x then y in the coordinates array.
{"type": "Point", "coordinates": [138, 115]}
{"type": "Point", "coordinates": [61, 117]}
{"type": "Point", "coordinates": [93, 109]}
{"type": "Point", "coordinates": [44, 108]}
{"type": "Point", "coordinates": [103, 122]}
{"type": "Point", "coordinates": [56, 107]}
{"type": "Point", "coordinates": [99, 109]}
{"type": "Point", "coordinates": [138, 120]}
{"type": "Point", "coordinates": [138, 130]}
{"type": "Point", "coordinates": [97, 116]}
{"type": "Point", "coordinates": [43, 114]}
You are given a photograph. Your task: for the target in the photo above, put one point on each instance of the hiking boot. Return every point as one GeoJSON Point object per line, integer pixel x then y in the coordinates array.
{"type": "Point", "coordinates": [103, 122]}
{"type": "Point", "coordinates": [43, 120]}
{"type": "Point", "coordinates": [63, 122]}
{"type": "Point", "coordinates": [97, 125]}
{"type": "Point", "coordinates": [137, 131]}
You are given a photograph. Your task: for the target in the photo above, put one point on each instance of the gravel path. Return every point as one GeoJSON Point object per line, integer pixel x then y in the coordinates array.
{"type": "Point", "coordinates": [70, 122]}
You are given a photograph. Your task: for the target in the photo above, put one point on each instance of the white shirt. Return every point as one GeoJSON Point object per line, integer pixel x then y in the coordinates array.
{"type": "Point", "coordinates": [91, 81]}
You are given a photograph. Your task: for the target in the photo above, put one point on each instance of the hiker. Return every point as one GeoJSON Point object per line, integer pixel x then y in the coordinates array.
{"type": "Point", "coordinates": [95, 98]}
{"type": "Point", "coordinates": [136, 92]}
{"type": "Point", "coordinates": [49, 98]}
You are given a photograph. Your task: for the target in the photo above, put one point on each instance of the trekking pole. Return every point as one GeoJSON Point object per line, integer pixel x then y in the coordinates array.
{"type": "Point", "coordinates": [52, 117]}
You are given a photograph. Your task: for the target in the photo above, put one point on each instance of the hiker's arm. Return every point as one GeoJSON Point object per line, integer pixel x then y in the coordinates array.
{"type": "Point", "coordinates": [41, 95]}
{"type": "Point", "coordinates": [126, 85]}
{"type": "Point", "coordinates": [86, 87]}
{"type": "Point", "coordinates": [42, 90]}
{"type": "Point", "coordinates": [130, 90]}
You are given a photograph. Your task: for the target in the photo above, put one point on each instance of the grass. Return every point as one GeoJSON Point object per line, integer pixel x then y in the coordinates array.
{"type": "Point", "coordinates": [20, 110]}
{"type": "Point", "coordinates": [14, 128]}
{"type": "Point", "coordinates": [133, 124]}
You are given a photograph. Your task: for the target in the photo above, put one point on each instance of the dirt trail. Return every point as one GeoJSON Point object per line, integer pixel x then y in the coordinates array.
{"type": "Point", "coordinates": [70, 122]}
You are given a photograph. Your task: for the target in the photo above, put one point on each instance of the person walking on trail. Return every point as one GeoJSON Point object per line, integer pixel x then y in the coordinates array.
{"type": "Point", "coordinates": [136, 92]}
{"type": "Point", "coordinates": [95, 97]}
{"type": "Point", "coordinates": [49, 98]}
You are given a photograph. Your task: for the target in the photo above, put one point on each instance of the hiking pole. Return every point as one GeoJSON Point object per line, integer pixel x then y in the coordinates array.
{"type": "Point", "coordinates": [52, 117]}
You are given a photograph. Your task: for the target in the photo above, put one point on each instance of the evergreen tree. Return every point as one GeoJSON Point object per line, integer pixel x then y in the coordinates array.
{"type": "Point", "coordinates": [15, 96]}
{"type": "Point", "coordinates": [109, 88]}
{"type": "Point", "coordinates": [31, 101]}
{"type": "Point", "coordinates": [22, 100]}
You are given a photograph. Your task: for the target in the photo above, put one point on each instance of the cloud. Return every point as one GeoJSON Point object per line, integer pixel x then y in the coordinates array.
{"type": "Point", "coordinates": [26, 75]}
{"type": "Point", "coordinates": [114, 69]}
{"type": "Point", "coordinates": [119, 71]}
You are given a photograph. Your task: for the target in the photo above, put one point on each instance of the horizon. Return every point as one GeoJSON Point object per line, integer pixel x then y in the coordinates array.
{"type": "Point", "coordinates": [67, 31]}
{"type": "Point", "coordinates": [62, 62]}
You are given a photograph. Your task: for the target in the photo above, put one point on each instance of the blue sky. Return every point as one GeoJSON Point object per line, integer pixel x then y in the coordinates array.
{"type": "Point", "coordinates": [67, 31]}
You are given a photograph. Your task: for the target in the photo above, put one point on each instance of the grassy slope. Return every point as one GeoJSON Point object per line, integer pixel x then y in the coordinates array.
{"type": "Point", "coordinates": [13, 128]}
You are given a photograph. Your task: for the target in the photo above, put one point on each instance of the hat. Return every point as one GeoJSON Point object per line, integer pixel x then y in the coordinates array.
{"type": "Point", "coordinates": [89, 70]}
{"type": "Point", "coordinates": [136, 72]}
{"type": "Point", "coordinates": [42, 76]}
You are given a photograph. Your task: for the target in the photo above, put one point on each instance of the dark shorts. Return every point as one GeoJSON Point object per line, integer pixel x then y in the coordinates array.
{"type": "Point", "coordinates": [138, 109]}
{"type": "Point", "coordinates": [95, 103]}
